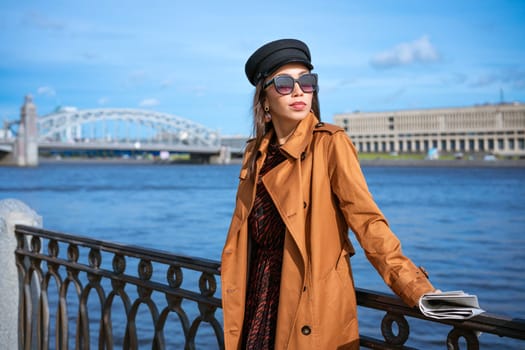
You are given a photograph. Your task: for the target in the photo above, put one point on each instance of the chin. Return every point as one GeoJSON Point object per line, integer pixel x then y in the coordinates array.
{"type": "Point", "coordinates": [300, 115]}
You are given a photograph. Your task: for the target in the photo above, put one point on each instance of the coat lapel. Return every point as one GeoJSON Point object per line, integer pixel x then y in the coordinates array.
{"type": "Point", "coordinates": [247, 183]}
{"type": "Point", "coordinates": [284, 183]}
{"type": "Point", "coordinates": [283, 186]}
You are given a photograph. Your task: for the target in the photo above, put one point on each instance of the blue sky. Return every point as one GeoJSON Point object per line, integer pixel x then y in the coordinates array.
{"type": "Point", "coordinates": [187, 58]}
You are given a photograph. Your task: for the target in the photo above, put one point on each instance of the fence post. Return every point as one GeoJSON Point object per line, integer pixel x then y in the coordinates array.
{"type": "Point", "coordinates": [12, 212]}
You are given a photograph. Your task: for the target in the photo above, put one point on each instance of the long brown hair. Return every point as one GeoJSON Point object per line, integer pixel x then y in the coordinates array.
{"type": "Point", "coordinates": [260, 127]}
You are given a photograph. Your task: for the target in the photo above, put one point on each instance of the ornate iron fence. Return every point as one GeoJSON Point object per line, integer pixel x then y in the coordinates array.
{"type": "Point", "coordinates": [92, 276]}
{"type": "Point", "coordinates": [80, 283]}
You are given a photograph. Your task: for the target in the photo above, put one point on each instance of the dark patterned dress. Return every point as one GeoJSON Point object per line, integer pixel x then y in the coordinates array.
{"type": "Point", "coordinates": [266, 230]}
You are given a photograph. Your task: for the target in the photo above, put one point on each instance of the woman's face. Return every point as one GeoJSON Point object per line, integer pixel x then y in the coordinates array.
{"type": "Point", "coordinates": [293, 107]}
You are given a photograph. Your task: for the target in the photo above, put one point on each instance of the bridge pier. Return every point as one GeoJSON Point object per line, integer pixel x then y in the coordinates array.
{"type": "Point", "coordinates": [23, 150]}
{"type": "Point", "coordinates": [26, 144]}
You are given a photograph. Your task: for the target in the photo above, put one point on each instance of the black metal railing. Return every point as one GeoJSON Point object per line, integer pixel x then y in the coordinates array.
{"type": "Point", "coordinates": [462, 330]}
{"type": "Point", "coordinates": [89, 276]}
{"type": "Point", "coordinates": [72, 291]}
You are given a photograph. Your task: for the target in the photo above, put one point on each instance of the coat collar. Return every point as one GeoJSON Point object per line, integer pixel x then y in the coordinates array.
{"type": "Point", "coordinates": [299, 139]}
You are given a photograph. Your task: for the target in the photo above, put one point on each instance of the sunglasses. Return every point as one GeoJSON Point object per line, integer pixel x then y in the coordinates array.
{"type": "Point", "coordinates": [284, 84]}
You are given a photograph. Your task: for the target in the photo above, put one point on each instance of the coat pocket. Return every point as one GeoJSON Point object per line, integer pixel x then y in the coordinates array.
{"type": "Point", "coordinates": [338, 294]}
{"type": "Point", "coordinates": [343, 269]}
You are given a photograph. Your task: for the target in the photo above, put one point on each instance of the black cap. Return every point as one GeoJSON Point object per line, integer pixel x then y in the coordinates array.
{"type": "Point", "coordinates": [275, 54]}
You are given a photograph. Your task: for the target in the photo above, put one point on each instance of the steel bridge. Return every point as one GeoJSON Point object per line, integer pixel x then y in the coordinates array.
{"type": "Point", "coordinates": [120, 129]}
{"type": "Point", "coordinates": [107, 130]}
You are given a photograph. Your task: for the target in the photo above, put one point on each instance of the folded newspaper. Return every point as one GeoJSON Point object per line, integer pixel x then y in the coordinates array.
{"type": "Point", "coordinates": [450, 305]}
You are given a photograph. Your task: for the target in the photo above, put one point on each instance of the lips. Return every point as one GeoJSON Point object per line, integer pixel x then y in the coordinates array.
{"type": "Point", "coordinates": [298, 106]}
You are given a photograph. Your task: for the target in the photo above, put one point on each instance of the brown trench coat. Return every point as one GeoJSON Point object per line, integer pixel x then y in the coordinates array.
{"type": "Point", "coordinates": [319, 192]}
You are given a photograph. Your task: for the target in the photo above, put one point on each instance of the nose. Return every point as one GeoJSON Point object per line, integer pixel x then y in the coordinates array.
{"type": "Point", "coordinates": [297, 91]}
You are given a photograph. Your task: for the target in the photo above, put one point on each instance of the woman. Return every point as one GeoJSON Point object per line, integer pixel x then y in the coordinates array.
{"type": "Point", "coordinates": [286, 276]}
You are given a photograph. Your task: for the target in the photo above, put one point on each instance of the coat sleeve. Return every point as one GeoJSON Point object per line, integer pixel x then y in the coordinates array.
{"type": "Point", "coordinates": [381, 246]}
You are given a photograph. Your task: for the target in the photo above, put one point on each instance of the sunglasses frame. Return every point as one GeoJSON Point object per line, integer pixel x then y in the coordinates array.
{"type": "Point", "coordinates": [268, 83]}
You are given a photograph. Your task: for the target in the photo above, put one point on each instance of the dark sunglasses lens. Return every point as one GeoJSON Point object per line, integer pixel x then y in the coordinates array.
{"type": "Point", "coordinates": [284, 84]}
{"type": "Point", "coordinates": [308, 82]}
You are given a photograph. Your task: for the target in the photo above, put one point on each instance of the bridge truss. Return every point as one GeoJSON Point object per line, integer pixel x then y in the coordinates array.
{"type": "Point", "coordinates": [124, 126]}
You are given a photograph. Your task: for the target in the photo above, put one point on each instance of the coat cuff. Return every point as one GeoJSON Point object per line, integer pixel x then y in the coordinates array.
{"type": "Point", "coordinates": [410, 290]}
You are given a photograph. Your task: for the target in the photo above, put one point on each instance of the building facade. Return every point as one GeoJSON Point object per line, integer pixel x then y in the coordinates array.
{"type": "Point", "coordinates": [488, 129]}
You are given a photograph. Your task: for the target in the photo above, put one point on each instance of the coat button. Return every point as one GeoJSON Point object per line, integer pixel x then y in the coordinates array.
{"type": "Point", "coordinates": [306, 330]}
{"type": "Point", "coordinates": [304, 205]}
{"type": "Point", "coordinates": [303, 155]}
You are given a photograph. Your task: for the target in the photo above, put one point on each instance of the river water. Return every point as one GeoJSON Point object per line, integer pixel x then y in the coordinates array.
{"type": "Point", "coordinates": [464, 225]}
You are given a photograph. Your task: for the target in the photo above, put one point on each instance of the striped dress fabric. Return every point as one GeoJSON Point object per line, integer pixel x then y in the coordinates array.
{"type": "Point", "coordinates": [266, 230]}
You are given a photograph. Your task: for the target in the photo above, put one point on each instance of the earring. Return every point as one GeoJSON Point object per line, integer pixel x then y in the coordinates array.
{"type": "Point", "coordinates": [267, 115]}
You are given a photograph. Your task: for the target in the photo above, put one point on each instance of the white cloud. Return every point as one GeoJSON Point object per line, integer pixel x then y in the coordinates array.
{"type": "Point", "coordinates": [417, 51]}
{"type": "Point", "coordinates": [46, 91]}
{"type": "Point", "coordinates": [149, 102]}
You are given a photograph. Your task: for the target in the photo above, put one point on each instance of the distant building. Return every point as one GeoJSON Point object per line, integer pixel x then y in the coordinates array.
{"type": "Point", "coordinates": [496, 129]}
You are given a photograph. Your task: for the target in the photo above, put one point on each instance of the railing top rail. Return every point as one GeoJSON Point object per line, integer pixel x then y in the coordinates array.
{"type": "Point", "coordinates": [211, 266]}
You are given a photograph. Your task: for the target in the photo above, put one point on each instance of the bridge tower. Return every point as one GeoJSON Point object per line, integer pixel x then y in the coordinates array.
{"type": "Point", "coordinates": [26, 145]}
